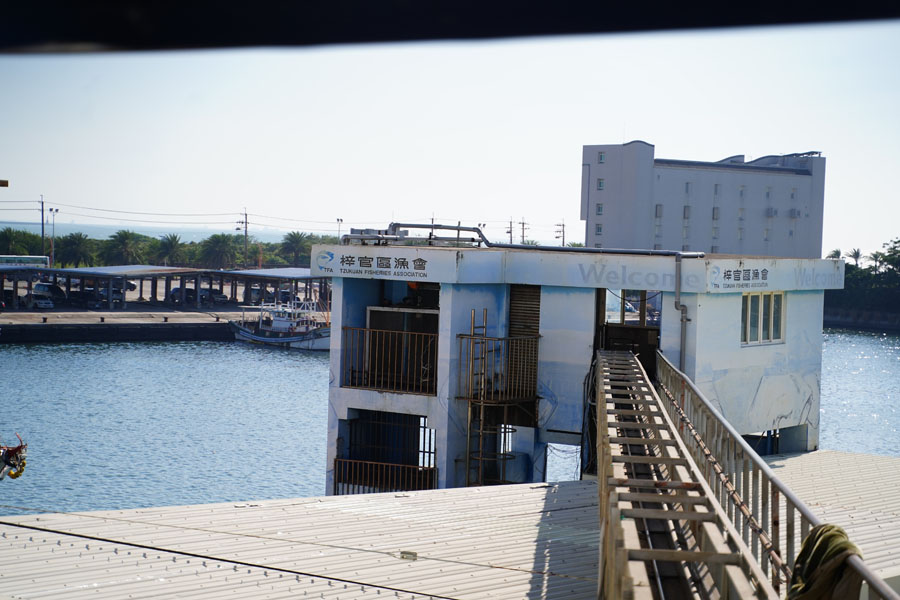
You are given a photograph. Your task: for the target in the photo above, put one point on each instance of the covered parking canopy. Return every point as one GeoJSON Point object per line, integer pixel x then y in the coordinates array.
{"type": "Point", "coordinates": [95, 285]}
{"type": "Point", "coordinates": [98, 285]}
{"type": "Point", "coordinates": [297, 281]}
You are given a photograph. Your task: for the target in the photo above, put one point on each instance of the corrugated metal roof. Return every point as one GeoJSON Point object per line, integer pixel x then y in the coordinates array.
{"type": "Point", "coordinates": [517, 541]}
{"type": "Point", "coordinates": [859, 492]}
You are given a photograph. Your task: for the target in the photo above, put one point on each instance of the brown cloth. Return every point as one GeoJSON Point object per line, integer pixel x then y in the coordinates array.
{"type": "Point", "coordinates": [820, 572]}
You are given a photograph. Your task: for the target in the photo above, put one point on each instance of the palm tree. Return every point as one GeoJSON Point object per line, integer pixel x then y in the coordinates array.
{"type": "Point", "coordinates": [218, 251]}
{"type": "Point", "coordinates": [855, 254]}
{"type": "Point", "coordinates": [836, 253]}
{"type": "Point", "coordinates": [124, 247]}
{"type": "Point", "coordinates": [295, 244]}
{"type": "Point", "coordinates": [170, 249]}
{"type": "Point", "coordinates": [12, 241]}
{"type": "Point", "coordinates": [877, 260]}
{"type": "Point", "coordinates": [575, 245]}
{"type": "Point", "coordinates": [531, 243]}
{"type": "Point", "coordinates": [74, 249]}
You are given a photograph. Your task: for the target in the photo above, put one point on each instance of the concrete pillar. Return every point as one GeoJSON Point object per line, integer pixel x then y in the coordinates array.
{"type": "Point", "coordinates": [154, 288]}
{"type": "Point", "coordinates": [197, 285]}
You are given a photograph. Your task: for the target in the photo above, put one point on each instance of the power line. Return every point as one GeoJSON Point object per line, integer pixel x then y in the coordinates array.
{"type": "Point", "coordinates": [132, 212]}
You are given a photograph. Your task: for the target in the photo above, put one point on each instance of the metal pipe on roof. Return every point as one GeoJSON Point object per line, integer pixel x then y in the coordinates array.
{"type": "Point", "coordinates": [394, 228]}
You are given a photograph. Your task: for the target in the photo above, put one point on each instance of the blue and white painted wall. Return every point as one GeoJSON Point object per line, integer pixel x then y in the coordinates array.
{"type": "Point", "coordinates": [757, 386]}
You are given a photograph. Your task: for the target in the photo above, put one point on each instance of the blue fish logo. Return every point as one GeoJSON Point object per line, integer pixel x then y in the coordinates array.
{"type": "Point", "coordinates": [324, 258]}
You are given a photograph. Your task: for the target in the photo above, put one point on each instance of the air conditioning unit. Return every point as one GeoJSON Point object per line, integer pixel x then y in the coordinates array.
{"type": "Point", "coordinates": [771, 212]}
{"type": "Point", "coordinates": [794, 213]}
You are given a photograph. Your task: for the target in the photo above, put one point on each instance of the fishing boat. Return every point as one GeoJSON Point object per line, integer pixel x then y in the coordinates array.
{"type": "Point", "coordinates": [295, 324]}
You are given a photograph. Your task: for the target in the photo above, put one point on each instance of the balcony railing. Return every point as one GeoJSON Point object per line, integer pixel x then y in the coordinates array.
{"type": "Point", "coordinates": [389, 361]}
{"type": "Point", "coordinates": [498, 370]}
{"type": "Point", "coordinates": [366, 477]}
{"type": "Point", "coordinates": [763, 509]}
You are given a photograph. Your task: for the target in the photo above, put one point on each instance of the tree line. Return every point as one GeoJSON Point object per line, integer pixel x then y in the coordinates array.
{"type": "Point", "coordinates": [871, 282]}
{"type": "Point", "coordinates": [125, 247]}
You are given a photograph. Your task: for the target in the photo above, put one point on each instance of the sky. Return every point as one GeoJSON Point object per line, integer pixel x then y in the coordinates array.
{"type": "Point", "coordinates": [477, 132]}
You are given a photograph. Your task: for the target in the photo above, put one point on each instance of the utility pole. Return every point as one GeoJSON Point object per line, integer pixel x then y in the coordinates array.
{"type": "Point", "coordinates": [43, 240]}
{"type": "Point", "coordinates": [510, 230]}
{"type": "Point", "coordinates": [53, 212]}
{"type": "Point", "coordinates": [245, 223]}
{"type": "Point", "coordinates": [523, 224]}
{"type": "Point", "coordinates": [561, 232]}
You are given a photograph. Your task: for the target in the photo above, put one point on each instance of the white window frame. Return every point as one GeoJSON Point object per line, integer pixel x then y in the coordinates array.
{"type": "Point", "coordinates": [598, 229]}
{"type": "Point", "coordinates": [600, 184]}
{"type": "Point", "coordinates": [601, 157]}
{"type": "Point", "coordinates": [766, 318]}
{"type": "Point", "coordinates": [599, 209]}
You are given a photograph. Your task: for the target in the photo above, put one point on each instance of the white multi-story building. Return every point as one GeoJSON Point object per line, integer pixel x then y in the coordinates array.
{"type": "Point", "coordinates": [771, 206]}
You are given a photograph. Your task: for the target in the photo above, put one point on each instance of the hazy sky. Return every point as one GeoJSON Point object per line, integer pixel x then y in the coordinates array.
{"type": "Point", "coordinates": [477, 132]}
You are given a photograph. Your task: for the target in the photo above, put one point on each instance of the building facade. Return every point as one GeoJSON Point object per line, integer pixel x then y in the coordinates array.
{"type": "Point", "coordinates": [771, 206]}
{"type": "Point", "coordinates": [458, 366]}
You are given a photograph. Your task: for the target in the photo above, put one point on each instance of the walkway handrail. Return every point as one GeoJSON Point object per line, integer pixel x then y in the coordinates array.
{"type": "Point", "coordinates": [743, 483]}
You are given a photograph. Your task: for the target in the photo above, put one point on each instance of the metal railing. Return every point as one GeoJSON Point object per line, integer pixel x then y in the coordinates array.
{"type": "Point", "coordinates": [367, 477]}
{"type": "Point", "coordinates": [497, 370]}
{"type": "Point", "coordinates": [389, 361]}
{"type": "Point", "coordinates": [763, 509]}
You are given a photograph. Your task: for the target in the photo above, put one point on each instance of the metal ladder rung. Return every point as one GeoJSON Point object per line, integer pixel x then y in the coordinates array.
{"type": "Point", "coordinates": [669, 515]}
{"type": "Point", "coordinates": [643, 441]}
{"type": "Point", "coordinates": [652, 483]}
{"type": "Point", "coordinates": [650, 460]}
{"type": "Point", "coordinates": [663, 498]}
{"type": "Point", "coordinates": [684, 556]}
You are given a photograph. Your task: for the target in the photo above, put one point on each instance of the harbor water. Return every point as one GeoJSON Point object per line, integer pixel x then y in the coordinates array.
{"type": "Point", "coordinates": [130, 425]}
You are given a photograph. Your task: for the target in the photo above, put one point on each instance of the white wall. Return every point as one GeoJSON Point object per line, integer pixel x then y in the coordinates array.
{"type": "Point", "coordinates": [635, 183]}
{"type": "Point", "coordinates": [763, 386]}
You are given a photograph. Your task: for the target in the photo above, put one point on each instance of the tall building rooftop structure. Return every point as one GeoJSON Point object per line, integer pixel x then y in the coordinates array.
{"type": "Point", "coordinates": [770, 206]}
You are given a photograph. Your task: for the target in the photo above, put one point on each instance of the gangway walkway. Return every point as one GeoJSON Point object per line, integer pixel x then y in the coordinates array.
{"type": "Point", "coordinates": [687, 508]}
{"type": "Point", "coordinates": [664, 535]}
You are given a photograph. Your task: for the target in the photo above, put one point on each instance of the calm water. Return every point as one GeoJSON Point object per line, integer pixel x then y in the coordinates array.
{"type": "Point", "coordinates": [131, 425]}
{"type": "Point", "coordinates": [149, 424]}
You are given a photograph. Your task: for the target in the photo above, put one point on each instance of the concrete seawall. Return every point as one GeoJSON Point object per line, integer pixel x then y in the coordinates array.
{"type": "Point", "coordinates": [89, 326]}
{"type": "Point", "coordinates": [863, 319]}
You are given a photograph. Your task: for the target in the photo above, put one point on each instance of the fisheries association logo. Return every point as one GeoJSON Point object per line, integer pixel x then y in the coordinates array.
{"type": "Point", "coordinates": [324, 261]}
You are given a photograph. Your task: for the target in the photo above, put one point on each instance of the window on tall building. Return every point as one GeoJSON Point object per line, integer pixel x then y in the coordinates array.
{"type": "Point", "coordinates": [766, 235]}
{"type": "Point", "coordinates": [685, 247]}
{"type": "Point", "coordinates": [715, 233]}
{"type": "Point", "coordinates": [659, 211]}
{"type": "Point", "coordinates": [599, 209]}
{"type": "Point", "coordinates": [715, 213]}
{"type": "Point", "coordinates": [762, 318]}
{"type": "Point", "coordinates": [793, 193]}
{"type": "Point", "coordinates": [657, 246]}
{"type": "Point", "coordinates": [741, 192]}
{"type": "Point", "coordinates": [657, 230]}
{"type": "Point", "coordinates": [714, 249]}
{"type": "Point", "coordinates": [599, 184]}
{"type": "Point", "coordinates": [740, 214]}
{"type": "Point", "coordinates": [740, 235]}
{"type": "Point", "coordinates": [768, 193]}
{"type": "Point", "coordinates": [598, 245]}
{"type": "Point", "coordinates": [687, 211]}
{"type": "Point", "coordinates": [685, 232]}
{"type": "Point", "coordinates": [687, 187]}
{"type": "Point", "coordinates": [715, 189]}
{"type": "Point", "coordinates": [598, 229]}
{"type": "Point", "coordinates": [601, 157]}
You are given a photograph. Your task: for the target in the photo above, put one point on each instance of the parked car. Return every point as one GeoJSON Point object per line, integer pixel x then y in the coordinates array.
{"type": "Point", "coordinates": [38, 301]}
{"type": "Point", "coordinates": [190, 296]}
{"type": "Point", "coordinates": [54, 292]}
{"type": "Point", "coordinates": [218, 298]}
